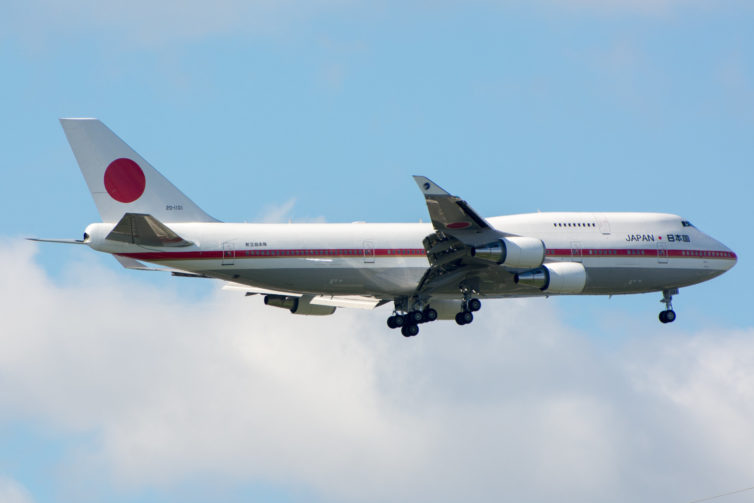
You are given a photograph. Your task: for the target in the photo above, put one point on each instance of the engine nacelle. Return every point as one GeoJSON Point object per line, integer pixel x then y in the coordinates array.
{"type": "Point", "coordinates": [516, 252]}
{"type": "Point", "coordinates": [298, 305]}
{"type": "Point", "coordinates": [556, 277]}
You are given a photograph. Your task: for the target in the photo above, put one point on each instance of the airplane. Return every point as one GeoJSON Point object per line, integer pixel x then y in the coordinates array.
{"type": "Point", "coordinates": [429, 271]}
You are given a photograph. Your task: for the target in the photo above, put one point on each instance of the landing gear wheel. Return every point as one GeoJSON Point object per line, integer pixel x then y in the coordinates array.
{"type": "Point", "coordinates": [415, 317]}
{"type": "Point", "coordinates": [430, 314]}
{"type": "Point", "coordinates": [474, 305]}
{"type": "Point", "coordinates": [667, 316]}
{"type": "Point", "coordinates": [464, 318]}
{"type": "Point", "coordinates": [409, 330]}
{"type": "Point", "coordinates": [395, 321]}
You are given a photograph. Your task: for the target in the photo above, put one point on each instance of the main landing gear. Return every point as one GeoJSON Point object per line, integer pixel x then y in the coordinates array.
{"type": "Point", "coordinates": [470, 306]}
{"type": "Point", "coordinates": [668, 315]}
{"type": "Point", "coordinates": [409, 322]}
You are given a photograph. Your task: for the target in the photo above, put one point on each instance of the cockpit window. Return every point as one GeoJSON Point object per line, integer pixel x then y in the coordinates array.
{"type": "Point", "coordinates": [686, 223]}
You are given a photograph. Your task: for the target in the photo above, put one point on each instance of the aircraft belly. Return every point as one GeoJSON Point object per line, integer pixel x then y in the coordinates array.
{"type": "Point", "coordinates": [378, 281]}
{"type": "Point", "coordinates": [618, 280]}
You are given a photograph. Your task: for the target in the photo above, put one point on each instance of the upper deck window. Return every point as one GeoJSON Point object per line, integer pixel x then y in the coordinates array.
{"type": "Point", "coordinates": [686, 223]}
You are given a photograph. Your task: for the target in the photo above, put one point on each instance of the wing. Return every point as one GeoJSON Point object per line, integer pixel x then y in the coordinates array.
{"type": "Point", "coordinates": [460, 249]}
{"type": "Point", "coordinates": [351, 301]}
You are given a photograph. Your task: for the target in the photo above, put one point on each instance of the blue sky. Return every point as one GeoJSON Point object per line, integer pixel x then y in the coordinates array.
{"type": "Point", "coordinates": [322, 111]}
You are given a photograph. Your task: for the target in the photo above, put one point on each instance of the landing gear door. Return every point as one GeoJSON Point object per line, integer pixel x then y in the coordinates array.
{"type": "Point", "coordinates": [229, 253]}
{"type": "Point", "coordinates": [368, 252]}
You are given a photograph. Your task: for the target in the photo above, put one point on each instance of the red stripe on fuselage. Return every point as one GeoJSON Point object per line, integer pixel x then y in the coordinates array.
{"type": "Point", "coordinates": [638, 252]}
{"type": "Point", "coordinates": [415, 252]}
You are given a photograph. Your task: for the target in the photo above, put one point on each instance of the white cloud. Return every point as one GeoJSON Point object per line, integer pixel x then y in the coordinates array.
{"type": "Point", "coordinates": [13, 492]}
{"type": "Point", "coordinates": [516, 405]}
{"type": "Point", "coordinates": [278, 213]}
{"type": "Point", "coordinates": [281, 213]}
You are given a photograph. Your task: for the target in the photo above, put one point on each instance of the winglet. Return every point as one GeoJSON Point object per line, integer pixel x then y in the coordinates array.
{"type": "Point", "coordinates": [449, 213]}
{"type": "Point", "coordinates": [428, 187]}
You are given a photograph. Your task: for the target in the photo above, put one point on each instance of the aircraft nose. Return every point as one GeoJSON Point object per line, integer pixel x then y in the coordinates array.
{"type": "Point", "coordinates": [730, 257]}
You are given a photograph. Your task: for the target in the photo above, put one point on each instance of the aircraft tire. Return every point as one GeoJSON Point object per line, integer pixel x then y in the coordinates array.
{"type": "Point", "coordinates": [464, 318]}
{"type": "Point", "coordinates": [474, 305]}
{"type": "Point", "coordinates": [409, 330]}
{"type": "Point", "coordinates": [430, 314]}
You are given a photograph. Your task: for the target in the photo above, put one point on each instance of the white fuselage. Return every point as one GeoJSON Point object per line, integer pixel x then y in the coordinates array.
{"type": "Point", "coordinates": [621, 252]}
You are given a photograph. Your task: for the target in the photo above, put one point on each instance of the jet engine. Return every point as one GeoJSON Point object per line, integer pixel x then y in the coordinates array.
{"type": "Point", "coordinates": [516, 252]}
{"type": "Point", "coordinates": [298, 305]}
{"type": "Point", "coordinates": [555, 277]}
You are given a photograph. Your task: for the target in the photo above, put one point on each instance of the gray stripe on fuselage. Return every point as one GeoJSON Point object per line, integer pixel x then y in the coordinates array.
{"type": "Point", "coordinates": [389, 282]}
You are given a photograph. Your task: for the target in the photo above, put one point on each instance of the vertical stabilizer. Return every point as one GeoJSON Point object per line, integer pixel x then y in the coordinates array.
{"type": "Point", "coordinates": [121, 181]}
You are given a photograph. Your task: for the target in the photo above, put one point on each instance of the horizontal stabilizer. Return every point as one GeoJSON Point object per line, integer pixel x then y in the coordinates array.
{"type": "Point", "coordinates": [130, 263]}
{"type": "Point", "coordinates": [64, 241]}
{"type": "Point", "coordinates": [145, 230]}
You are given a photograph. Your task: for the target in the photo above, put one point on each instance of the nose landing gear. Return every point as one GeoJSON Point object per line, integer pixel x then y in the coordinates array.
{"type": "Point", "coordinates": [668, 315]}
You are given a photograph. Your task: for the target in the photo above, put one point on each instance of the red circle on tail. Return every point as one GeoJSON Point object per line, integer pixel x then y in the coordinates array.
{"type": "Point", "coordinates": [124, 180]}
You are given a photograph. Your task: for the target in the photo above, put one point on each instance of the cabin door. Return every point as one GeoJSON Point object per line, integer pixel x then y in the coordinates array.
{"type": "Point", "coordinates": [662, 252]}
{"type": "Point", "coordinates": [229, 253]}
{"type": "Point", "coordinates": [368, 252]}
